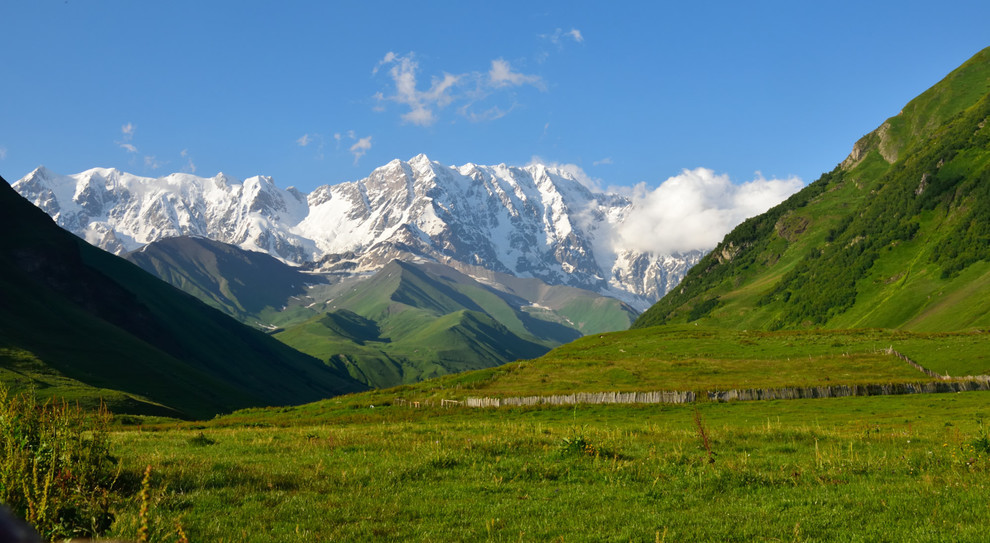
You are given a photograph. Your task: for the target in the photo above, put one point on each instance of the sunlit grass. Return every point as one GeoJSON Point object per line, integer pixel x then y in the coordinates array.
{"type": "Point", "coordinates": [859, 468]}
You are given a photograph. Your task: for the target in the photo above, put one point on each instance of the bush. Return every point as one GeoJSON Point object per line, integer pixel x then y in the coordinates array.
{"type": "Point", "coordinates": [56, 471]}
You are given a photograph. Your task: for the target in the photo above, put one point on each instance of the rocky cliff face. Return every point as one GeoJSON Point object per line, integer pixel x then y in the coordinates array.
{"type": "Point", "coordinates": [534, 221]}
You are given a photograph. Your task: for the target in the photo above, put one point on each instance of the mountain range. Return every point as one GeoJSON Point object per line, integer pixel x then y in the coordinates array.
{"type": "Point", "coordinates": [532, 222]}
{"type": "Point", "coordinates": [493, 263]}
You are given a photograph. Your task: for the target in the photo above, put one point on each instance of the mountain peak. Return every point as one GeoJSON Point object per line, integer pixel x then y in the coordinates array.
{"type": "Point", "coordinates": [41, 171]}
{"type": "Point", "coordinates": [225, 180]}
{"type": "Point", "coordinates": [420, 159]}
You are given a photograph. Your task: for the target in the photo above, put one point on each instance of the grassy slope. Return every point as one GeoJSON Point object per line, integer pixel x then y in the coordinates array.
{"type": "Point", "coordinates": [414, 325]}
{"type": "Point", "coordinates": [98, 320]}
{"type": "Point", "coordinates": [859, 247]}
{"type": "Point", "coordinates": [688, 357]}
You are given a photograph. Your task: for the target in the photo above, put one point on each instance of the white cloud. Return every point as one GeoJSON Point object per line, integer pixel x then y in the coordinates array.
{"type": "Point", "coordinates": [190, 166]}
{"type": "Point", "coordinates": [466, 90]}
{"type": "Point", "coordinates": [152, 162]}
{"type": "Point", "coordinates": [696, 209]}
{"type": "Point", "coordinates": [606, 160]}
{"type": "Point", "coordinates": [501, 75]}
{"type": "Point", "coordinates": [314, 140]}
{"type": "Point", "coordinates": [362, 146]}
{"type": "Point", "coordinates": [3, 153]}
{"type": "Point", "coordinates": [489, 114]}
{"type": "Point", "coordinates": [379, 99]}
{"type": "Point", "coordinates": [420, 115]}
{"type": "Point", "coordinates": [559, 34]}
{"type": "Point", "coordinates": [127, 131]}
{"type": "Point", "coordinates": [420, 102]}
{"type": "Point", "coordinates": [358, 149]}
{"type": "Point", "coordinates": [389, 58]}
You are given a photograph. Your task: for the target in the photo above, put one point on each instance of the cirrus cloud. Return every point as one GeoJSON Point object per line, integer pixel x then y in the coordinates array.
{"type": "Point", "coordinates": [362, 146]}
{"type": "Point", "coordinates": [127, 133]}
{"type": "Point", "coordinates": [558, 36]}
{"type": "Point", "coordinates": [421, 103]}
{"type": "Point", "coordinates": [501, 75]}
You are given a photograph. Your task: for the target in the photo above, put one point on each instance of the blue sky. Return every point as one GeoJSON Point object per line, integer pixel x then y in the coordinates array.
{"type": "Point", "coordinates": [323, 92]}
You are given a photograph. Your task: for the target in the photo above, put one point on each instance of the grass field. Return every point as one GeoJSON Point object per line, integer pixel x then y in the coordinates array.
{"type": "Point", "coordinates": [908, 468]}
{"type": "Point", "coordinates": [366, 467]}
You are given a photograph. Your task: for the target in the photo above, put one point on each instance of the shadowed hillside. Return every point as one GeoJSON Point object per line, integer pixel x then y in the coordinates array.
{"type": "Point", "coordinates": [75, 319]}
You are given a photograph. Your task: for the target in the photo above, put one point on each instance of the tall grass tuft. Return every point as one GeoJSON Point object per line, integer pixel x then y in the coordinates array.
{"type": "Point", "coordinates": [145, 505]}
{"type": "Point", "coordinates": [706, 441]}
{"type": "Point", "coordinates": [56, 471]}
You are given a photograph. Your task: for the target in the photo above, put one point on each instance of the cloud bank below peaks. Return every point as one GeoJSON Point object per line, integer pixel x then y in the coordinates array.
{"type": "Point", "coordinates": [695, 210]}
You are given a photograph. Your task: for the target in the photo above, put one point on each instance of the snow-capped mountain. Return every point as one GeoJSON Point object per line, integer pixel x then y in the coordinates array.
{"type": "Point", "coordinates": [533, 221]}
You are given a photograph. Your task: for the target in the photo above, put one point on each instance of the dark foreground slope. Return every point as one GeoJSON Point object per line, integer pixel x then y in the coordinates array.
{"type": "Point", "coordinates": [897, 236]}
{"type": "Point", "coordinates": [71, 313]}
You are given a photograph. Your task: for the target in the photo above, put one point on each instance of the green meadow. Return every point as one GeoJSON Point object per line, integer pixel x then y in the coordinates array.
{"type": "Point", "coordinates": [369, 467]}
{"type": "Point", "coordinates": [902, 468]}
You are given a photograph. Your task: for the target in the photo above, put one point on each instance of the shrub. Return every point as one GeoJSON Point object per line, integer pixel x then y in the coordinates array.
{"type": "Point", "coordinates": [578, 445]}
{"type": "Point", "coordinates": [56, 470]}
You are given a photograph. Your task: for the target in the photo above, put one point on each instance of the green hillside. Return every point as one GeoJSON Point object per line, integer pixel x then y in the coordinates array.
{"type": "Point", "coordinates": [410, 322]}
{"type": "Point", "coordinates": [76, 321]}
{"type": "Point", "coordinates": [897, 236]}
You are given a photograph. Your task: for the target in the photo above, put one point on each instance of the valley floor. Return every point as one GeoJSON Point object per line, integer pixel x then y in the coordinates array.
{"type": "Point", "coordinates": [898, 468]}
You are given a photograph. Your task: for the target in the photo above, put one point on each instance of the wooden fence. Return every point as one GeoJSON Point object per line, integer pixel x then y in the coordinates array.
{"type": "Point", "coordinates": [917, 366]}
{"type": "Point", "coordinates": [662, 396]}
{"type": "Point", "coordinates": [783, 393]}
